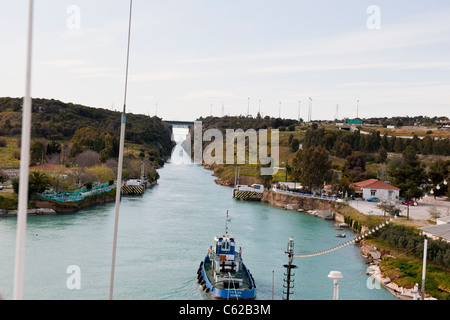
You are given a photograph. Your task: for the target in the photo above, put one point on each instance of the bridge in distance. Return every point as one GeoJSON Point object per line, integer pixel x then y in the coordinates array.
{"type": "Point", "coordinates": [180, 123]}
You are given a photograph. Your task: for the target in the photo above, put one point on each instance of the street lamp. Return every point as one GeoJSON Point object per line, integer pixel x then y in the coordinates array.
{"type": "Point", "coordinates": [335, 276]}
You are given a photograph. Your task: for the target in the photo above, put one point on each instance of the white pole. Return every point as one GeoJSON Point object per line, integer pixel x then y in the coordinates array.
{"type": "Point", "coordinates": [424, 267]}
{"type": "Point", "coordinates": [24, 171]}
{"type": "Point", "coordinates": [119, 169]}
{"type": "Point", "coordinates": [273, 284]}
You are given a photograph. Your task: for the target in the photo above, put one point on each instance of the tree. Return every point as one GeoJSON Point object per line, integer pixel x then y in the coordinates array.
{"type": "Point", "coordinates": [314, 166]}
{"type": "Point", "coordinates": [382, 155]}
{"type": "Point", "coordinates": [39, 181]}
{"type": "Point", "coordinates": [438, 172]}
{"type": "Point", "coordinates": [355, 166]}
{"type": "Point", "coordinates": [101, 173]}
{"type": "Point", "coordinates": [37, 151]}
{"type": "Point", "coordinates": [296, 168]}
{"type": "Point", "coordinates": [434, 213]}
{"type": "Point", "coordinates": [295, 143]}
{"type": "Point", "coordinates": [344, 150]}
{"type": "Point", "coordinates": [410, 175]}
{"type": "Point", "coordinates": [265, 179]}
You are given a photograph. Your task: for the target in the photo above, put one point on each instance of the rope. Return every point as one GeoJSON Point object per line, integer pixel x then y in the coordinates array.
{"type": "Point", "coordinates": [357, 238]}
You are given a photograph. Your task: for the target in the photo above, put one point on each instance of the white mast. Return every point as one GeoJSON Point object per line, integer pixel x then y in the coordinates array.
{"type": "Point", "coordinates": [226, 225]}
{"type": "Point", "coordinates": [24, 170]}
{"type": "Point", "coordinates": [120, 165]}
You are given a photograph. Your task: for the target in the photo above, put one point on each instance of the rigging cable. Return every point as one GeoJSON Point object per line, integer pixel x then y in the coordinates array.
{"type": "Point", "coordinates": [24, 169]}
{"type": "Point", "coordinates": [120, 166]}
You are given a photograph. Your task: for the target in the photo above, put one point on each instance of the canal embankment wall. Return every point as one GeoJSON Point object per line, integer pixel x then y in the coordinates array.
{"type": "Point", "coordinates": [320, 207]}
{"type": "Point", "coordinates": [281, 199]}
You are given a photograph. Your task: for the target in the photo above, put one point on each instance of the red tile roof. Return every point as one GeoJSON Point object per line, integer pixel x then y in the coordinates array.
{"type": "Point", "coordinates": [374, 184]}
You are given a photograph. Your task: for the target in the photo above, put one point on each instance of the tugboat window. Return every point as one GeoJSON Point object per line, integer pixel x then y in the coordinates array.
{"type": "Point", "coordinates": [225, 245]}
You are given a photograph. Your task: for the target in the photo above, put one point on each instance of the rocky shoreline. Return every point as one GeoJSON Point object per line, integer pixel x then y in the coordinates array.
{"type": "Point", "coordinates": [374, 255]}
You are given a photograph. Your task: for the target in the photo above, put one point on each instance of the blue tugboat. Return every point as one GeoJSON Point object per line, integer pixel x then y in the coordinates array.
{"type": "Point", "coordinates": [223, 274]}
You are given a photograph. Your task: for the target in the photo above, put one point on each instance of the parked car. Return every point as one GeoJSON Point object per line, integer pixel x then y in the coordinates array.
{"type": "Point", "coordinates": [373, 199]}
{"type": "Point", "coordinates": [410, 203]}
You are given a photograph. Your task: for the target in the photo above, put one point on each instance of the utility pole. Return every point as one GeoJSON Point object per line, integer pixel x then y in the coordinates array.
{"type": "Point", "coordinates": [299, 110]}
{"type": "Point", "coordinates": [357, 109]}
{"type": "Point", "coordinates": [289, 267]}
{"type": "Point", "coordinates": [248, 107]}
{"type": "Point", "coordinates": [424, 267]}
{"type": "Point", "coordinates": [310, 109]}
{"type": "Point", "coordinates": [279, 110]}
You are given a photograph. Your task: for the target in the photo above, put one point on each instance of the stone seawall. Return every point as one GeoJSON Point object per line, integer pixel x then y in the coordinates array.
{"type": "Point", "coordinates": [281, 199]}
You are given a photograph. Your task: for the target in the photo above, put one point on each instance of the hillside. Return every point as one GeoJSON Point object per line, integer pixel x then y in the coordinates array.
{"type": "Point", "coordinates": [356, 155]}
{"type": "Point", "coordinates": [59, 126]}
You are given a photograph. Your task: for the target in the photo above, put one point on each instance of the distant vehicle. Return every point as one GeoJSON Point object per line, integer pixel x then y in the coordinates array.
{"type": "Point", "coordinates": [373, 199]}
{"type": "Point", "coordinates": [410, 203]}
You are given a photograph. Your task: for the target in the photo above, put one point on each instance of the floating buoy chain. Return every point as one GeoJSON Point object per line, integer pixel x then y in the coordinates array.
{"type": "Point", "coordinates": [357, 238]}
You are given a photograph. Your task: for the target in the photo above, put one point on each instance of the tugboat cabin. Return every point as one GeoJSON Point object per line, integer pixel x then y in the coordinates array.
{"type": "Point", "coordinates": [227, 263]}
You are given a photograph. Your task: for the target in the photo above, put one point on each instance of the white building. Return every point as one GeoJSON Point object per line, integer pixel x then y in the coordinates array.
{"type": "Point", "coordinates": [436, 232]}
{"type": "Point", "coordinates": [376, 188]}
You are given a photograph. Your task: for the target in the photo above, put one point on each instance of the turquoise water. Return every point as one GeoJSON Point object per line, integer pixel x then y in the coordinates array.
{"type": "Point", "coordinates": [165, 233]}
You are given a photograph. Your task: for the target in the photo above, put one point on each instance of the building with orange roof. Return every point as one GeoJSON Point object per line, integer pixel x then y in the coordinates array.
{"type": "Point", "coordinates": [375, 188]}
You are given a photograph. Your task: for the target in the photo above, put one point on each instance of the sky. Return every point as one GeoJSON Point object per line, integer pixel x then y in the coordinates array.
{"type": "Point", "coordinates": [192, 58]}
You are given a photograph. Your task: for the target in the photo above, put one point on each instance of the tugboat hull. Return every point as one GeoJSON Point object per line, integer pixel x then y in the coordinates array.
{"type": "Point", "coordinates": [245, 292]}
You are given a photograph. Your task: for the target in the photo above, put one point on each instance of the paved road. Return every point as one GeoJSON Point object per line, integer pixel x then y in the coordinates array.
{"type": "Point", "coordinates": [419, 213]}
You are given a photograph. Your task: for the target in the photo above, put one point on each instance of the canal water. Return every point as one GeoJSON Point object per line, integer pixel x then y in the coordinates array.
{"type": "Point", "coordinates": [165, 233]}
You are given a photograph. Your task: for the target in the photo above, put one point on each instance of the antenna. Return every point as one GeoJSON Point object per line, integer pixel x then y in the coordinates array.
{"type": "Point", "coordinates": [24, 164]}
{"type": "Point", "coordinates": [120, 165]}
{"type": "Point", "coordinates": [226, 225]}
{"type": "Point", "coordinates": [336, 115]}
{"type": "Point", "coordinates": [289, 283]}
